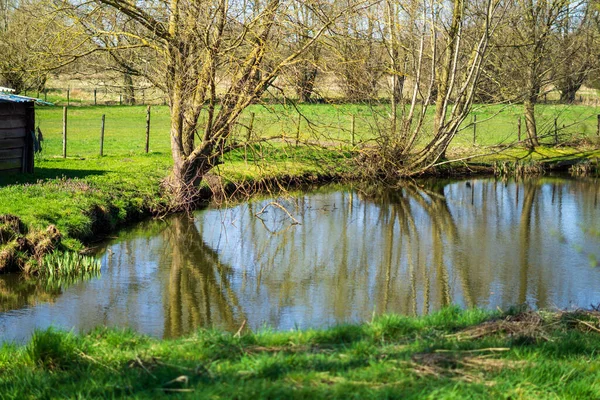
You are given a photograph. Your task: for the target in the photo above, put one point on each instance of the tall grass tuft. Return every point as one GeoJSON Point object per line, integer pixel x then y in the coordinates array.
{"type": "Point", "coordinates": [518, 169]}
{"type": "Point", "coordinates": [50, 349]}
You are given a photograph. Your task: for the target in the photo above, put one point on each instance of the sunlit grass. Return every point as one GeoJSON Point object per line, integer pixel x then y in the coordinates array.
{"type": "Point", "coordinates": [67, 265]}
{"type": "Point", "coordinates": [329, 124]}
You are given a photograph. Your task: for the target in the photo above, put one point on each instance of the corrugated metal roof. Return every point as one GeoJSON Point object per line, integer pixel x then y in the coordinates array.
{"type": "Point", "coordinates": [15, 98]}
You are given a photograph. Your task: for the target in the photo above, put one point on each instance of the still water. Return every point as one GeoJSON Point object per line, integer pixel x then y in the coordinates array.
{"type": "Point", "coordinates": [334, 255]}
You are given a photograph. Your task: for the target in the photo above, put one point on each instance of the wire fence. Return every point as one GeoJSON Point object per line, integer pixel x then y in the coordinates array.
{"type": "Point", "coordinates": [102, 95]}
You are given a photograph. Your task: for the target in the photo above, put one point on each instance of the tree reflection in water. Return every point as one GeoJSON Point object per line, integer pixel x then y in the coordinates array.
{"type": "Point", "coordinates": [199, 291]}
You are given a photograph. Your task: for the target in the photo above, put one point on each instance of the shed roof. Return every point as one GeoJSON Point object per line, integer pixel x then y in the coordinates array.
{"type": "Point", "coordinates": [15, 98]}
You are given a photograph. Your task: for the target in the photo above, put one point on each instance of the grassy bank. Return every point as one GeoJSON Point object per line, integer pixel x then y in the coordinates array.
{"type": "Point", "coordinates": [450, 354]}
{"type": "Point", "coordinates": [87, 197]}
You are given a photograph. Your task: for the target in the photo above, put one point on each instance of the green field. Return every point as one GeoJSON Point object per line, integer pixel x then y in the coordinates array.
{"type": "Point", "coordinates": [329, 125]}
{"type": "Point", "coordinates": [451, 354]}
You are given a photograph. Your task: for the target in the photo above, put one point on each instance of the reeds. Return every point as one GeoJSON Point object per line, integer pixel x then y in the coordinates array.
{"type": "Point", "coordinates": [57, 265]}
{"type": "Point", "coordinates": [583, 169]}
{"type": "Point", "coordinates": [517, 169]}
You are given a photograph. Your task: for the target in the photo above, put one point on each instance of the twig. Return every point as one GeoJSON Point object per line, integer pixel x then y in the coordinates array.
{"type": "Point", "coordinates": [492, 349]}
{"type": "Point", "coordinates": [141, 364]}
{"type": "Point", "coordinates": [180, 379]}
{"type": "Point", "coordinates": [239, 332]}
{"type": "Point", "coordinates": [589, 325]}
{"type": "Point", "coordinates": [82, 354]}
{"type": "Point", "coordinates": [275, 204]}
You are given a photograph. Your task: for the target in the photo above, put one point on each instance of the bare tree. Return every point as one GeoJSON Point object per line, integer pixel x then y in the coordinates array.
{"type": "Point", "coordinates": [303, 73]}
{"type": "Point", "coordinates": [214, 57]}
{"type": "Point", "coordinates": [442, 67]}
{"type": "Point", "coordinates": [21, 35]}
{"type": "Point", "coordinates": [576, 48]}
{"type": "Point", "coordinates": [526, 45]}
{"type": "Point", "coordinates": [356, 52]}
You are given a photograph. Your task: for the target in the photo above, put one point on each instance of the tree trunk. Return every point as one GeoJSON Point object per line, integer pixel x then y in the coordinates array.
{"type": "Point", "coordinates": [129, 89]}
{"type": "Point", "coordinates": [568, 91]}
{"type": "Point", "coordinates": [306, 83]}
{"type": "Point", "coordinates": [186, 175]}
{"type": "Point", "coordinates": [447, 66]}
{"type": "Point", "coordinates": [529, 109]}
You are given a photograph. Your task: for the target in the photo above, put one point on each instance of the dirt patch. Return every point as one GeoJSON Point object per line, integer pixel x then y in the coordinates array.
{"type": "Point", "coordinates": [19, 249]}
{"type": "Point", "coordinates": [523, 325]}
{"type": "Point", "coordinates": [11, 227]}
{"type": "Point", "coordinates": [463, 365]}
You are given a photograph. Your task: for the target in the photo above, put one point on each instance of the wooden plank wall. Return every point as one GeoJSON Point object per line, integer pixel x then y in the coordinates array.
{"type": "Point", "coordinates": [13, 137]}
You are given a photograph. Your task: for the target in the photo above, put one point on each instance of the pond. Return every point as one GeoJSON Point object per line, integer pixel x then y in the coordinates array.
{"type": "Point", "coordinates": [334, 255]}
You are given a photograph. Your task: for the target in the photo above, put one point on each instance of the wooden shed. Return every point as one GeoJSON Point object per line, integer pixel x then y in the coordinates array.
{"type": "Point", "coordinates": [17, 130]}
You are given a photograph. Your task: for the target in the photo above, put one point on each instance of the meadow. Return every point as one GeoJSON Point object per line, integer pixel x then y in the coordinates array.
{"type": "Point", "coordinates": [325, 124]}
{"type": "Point", "coordinates": [450, 354]}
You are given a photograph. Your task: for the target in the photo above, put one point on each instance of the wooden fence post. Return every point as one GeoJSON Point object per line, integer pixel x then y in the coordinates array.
{"type": "Point", "coordinates": [555, 130]}
{"type": "Point", "coordinates": [250, 126]}
{"type": "Point", "coordinates": [353, 129]}
{"type": "Point", "coordinates": [102, 136]}
{"type": "Point", "coordinates": [519, 129]}
{"type": "Point", "coordinates": [95, 103]}
{"type": "Point", "coordinates": [45, 94]}
{"type": "Point", "coordinates": [298, 129]}
{"type": "Point", "coordinates": [474, 129]}
{"type": "Point", "coordinates": [68, 97]}
{"type": "Point", "coordinates": [598, 130]}
{"type": "Point", "coordinates": [248, 135]}
{"type": "Point", "coordinates": [147, 129]}
{"type": "Point", "coordinates": [64, 132]}
{"type": "Point", "coordinates": [120, 99]}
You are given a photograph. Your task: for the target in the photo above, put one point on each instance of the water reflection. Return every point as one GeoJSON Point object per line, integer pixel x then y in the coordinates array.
{"type": "Point", "coordinates": [17, 292]}
{"type": "Point", "coordinates": [198, 292]}
{"type": "Point", "coordinates": [410, 250]}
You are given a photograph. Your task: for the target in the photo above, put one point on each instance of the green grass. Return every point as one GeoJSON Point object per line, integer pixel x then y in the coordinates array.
{"type": "Point", "coordinates": [498, 124]}
{"type": "Point", "coordinates": [450, 354]}
{"type": "Point", "coordinates": [81, 196]}
{"type": "Point", "coordinates": [323, 123]}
